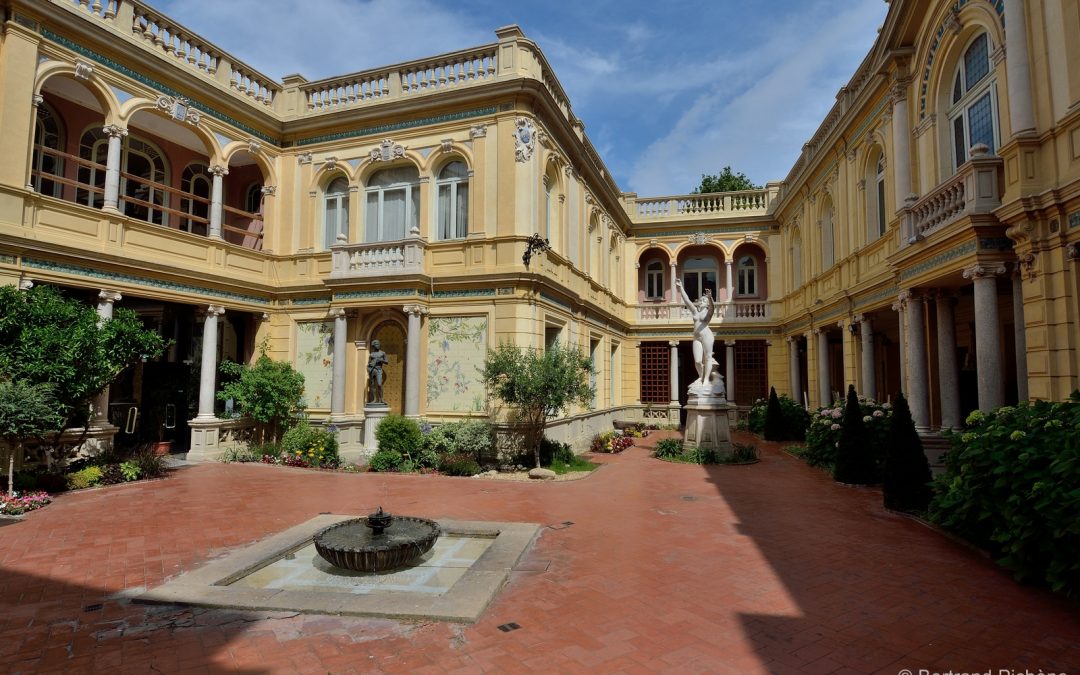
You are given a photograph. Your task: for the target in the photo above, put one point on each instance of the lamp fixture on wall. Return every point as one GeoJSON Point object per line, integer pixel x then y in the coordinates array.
{"type": "Point", "coordinates": [534, 244]}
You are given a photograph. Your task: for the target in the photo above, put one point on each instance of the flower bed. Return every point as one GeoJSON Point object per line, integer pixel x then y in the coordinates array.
{"type": "Point", "coordinates": [610, 442]}
{"type": "Point", "coordinates": [823, 436]}
{"type": "Point", "coordinates": [20, 503]}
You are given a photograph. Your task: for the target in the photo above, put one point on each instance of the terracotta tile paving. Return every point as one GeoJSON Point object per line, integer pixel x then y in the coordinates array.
{"type": "Point", "coordinates": [767, 568]}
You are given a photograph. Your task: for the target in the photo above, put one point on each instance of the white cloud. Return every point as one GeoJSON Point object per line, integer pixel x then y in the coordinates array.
{"type": "Point", "coordinates": [758, 123]}
{"type": "Point", "coordinates": [328, 37]}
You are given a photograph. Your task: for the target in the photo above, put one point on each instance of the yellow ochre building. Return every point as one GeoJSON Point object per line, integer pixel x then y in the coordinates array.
{"type": "Point", "coordinates": [926, 240]}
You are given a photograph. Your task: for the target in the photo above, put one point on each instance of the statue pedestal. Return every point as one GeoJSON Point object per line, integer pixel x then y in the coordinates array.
{"type": "Point", "coordinates": [707, 424]}
{"type": "Point", "coordinates": [373, 415]}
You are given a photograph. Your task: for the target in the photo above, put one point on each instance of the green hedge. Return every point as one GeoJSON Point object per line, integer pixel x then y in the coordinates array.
{"type": "Point", "coordinates": [1012, 486]}
{"type": "Point", "coordinates": [795, 418]}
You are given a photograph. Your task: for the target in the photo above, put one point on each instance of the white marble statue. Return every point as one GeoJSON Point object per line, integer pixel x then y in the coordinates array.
{"type": "Point", "coordinates": [702, 313]}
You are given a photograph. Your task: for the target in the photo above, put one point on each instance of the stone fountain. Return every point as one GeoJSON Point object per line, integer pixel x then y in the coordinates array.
{"type": "Point", "coordinates": [377, 542]}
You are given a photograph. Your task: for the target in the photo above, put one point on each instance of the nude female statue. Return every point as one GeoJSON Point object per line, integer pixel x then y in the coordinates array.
{"type": "Point", "coordinates": [702, 314]}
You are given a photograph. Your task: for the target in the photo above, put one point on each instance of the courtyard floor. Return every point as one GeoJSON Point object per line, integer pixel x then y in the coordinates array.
{"type": "Point", "coordinates": [644, 566]}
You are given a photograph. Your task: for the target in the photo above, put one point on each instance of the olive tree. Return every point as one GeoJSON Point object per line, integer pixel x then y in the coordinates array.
{"type": "Point", "coordinates": [537, 385]}
{"type": "Point", "coordinates": [27, 411]}
{"type": "Point", "coordinates": [269, 392]}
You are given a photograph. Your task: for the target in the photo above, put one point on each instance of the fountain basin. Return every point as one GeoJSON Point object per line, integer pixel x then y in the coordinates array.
{"type": "Point", "coordinates": [353, 545]}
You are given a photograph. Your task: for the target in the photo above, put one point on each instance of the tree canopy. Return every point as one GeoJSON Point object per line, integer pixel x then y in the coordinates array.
{"type": "Point", "coordinates": [47, 338]}
{"type": "Point", "coordinates": [726, 181]}
{"type": "Point", "coordinates": [538, 384]}
{"type": "Point", "coordinates": [268, 391]}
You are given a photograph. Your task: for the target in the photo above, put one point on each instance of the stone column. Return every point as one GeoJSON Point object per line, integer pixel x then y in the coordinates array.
{"type": "Point", "coordinates": [106, 300]}
{"type": "Point", "coordinates": [899, 308]}
{"type": "Point", "coordinates": [948, 375]}
{"type": "Point", "coordinates": [674, 278]}
{"type": "Point", "coordinates": [987, 339]}
{"type": "Point", "coordinates": [901, 159]}
{"type": "Point", "coordinates": [1017, 68]}
{"type": "Point", "coordinates": [1020, 336]}
{"type": "Point", "coordinates": [730, 287]}
{"type": "Point", "coordinates": [112, 166]}
{"type": "Point", "coordinates": [869, 375]}
{"type": "Point", "coordinates": [793, 368]}
{"type": "Point", "coordinates": [412, 360]}
{"type": "Point", "coordinates": [208, 370]}
{"type": "Point", "coordinates": [918, 376]}
{"type": "Point", "coordinates": [824, 391]}
{"type": "Point", "coordinates": [215, 200]}
{"type": "Point", "coordinates": [729, 385]}
{"type": "Point", "coordinates": [337, 383]}
{"type": "Point", "coordinates": [673, 370]}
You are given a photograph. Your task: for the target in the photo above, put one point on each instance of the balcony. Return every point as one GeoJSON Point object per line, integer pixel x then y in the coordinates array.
{"type": "Point", "coordinates": [739, 311]}
{"type": "Point", "coordinates": [378, 259]}
{"type": "Point", "coordinates": [701, 206]}
{"type": "Point", "coordinates": [974, 190]}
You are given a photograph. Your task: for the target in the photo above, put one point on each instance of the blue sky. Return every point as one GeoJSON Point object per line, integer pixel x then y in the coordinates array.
{"type": "Point", "coordinates": [667, 90]}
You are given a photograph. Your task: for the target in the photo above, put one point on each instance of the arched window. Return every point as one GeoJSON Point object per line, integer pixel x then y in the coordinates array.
{"type": "Point", "coordinates": [700, 274]}
{"type": "Point", "coordinates": [393, 204]}
{"type": "Point", "coordinates": [335, 211]}
{"type": "Point", "coordinates": [196, 182]}
{"type": "Point", "coordinates": [828, 252]}
{"type": "Point", "coordinates": [549, 206]}
{"type": "Point", "coordinates": [796, 260]}
{"type": "Point", "coordinates": [48, 135]}
{"type": "Point", "coordinates": [453, 192]}
{"type": "Point", "coordinates": [879, 186]}
{"type": "Point", "coordinates": [654, 280]}
{"type": "Point", "coordinates": [973, 104]}
{"type": "Point", "coordinates": [253, 198]}
{"type": "Point", "coordinates": [143, 176]}
{"type": "Point", "coordinates": [747, 276]}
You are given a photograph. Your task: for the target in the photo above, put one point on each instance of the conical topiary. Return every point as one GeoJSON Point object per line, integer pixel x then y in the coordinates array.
{"type": "Point", "coordinates": [907, 473]}
{"type": "Point", "coordinates": [854, 456]}
{"type": "Point", "coordinates": [774, 419]}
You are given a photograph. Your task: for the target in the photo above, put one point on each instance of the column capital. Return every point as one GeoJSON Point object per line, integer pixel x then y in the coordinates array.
{"type": "Point", "coordinates": [37, 99]}
{"type": "Point", "coordinates": [982, 271]}
{"type": "Point", "coordinates": [269, 190]}
{"type": "Point", "coordinates": [730, 344]}
{"type": "Point", "coordinates": [791, 339]}
{"type": "Point", "coordinates": [114, 131]}
{"type": "Point", "coordinates": [729, 262]}
{"type": "Point", "coordinates": [337, 313]}
{"type": "Point", "coordinates": [673, 264]}
{"type": "Point", "coordinates": [417, 310]}
{"type": "Point", "coordinates": [218, 170]}
{"type": "Point", "coordinates": [840, 324]}
{"type": "Point", "coordinates": [859, 318]}
{"type": "Point", "coordinates": [817, 331]}
{"type": "Point", "coordinates": [673, 343]}
{"type": "Point", "coordinates": [109, 297]}
{"type": "Point", "coordinates": [214, 310]}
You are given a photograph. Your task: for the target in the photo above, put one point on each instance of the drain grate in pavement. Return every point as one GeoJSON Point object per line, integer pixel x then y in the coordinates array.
{"type": "Point", "coordinates": [690, 498]}
{"type": "Point", "coordinates": [561, 526]}
{"type": "Point", "coordinates": [507, 627]}
{"type": "Point", "coordinates": [93, 608]}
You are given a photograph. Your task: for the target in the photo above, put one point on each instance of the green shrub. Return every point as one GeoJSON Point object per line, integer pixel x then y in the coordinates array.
{"type": "Point", "coordinates": [111, 474]}
{"type": "Point", "coordinates": [84, 478]}
{"type": "Point", "coordinates": [856, 463]}
{"type": "Point", "coordinates": [315, 445]}
{"type": "Point", "coordinates": [1010, 486]}
{"type": "Point", "coordinates": [269, 392]}
{"type": "Point", "coordinates": [562, 465]}
{"type": "Point", "coordinates": [743, 452]}
{"type": "Point", "coordinates": [129, 470]}
{"type": "Point", "coordinates": [551, 451]}
{"type": "Point", "coordinates": [668, 447]}
{"type": "Point", "coordinates": [386, 460]}
{"type": "Point", "coordinates": [272, 450]}
{"type": "Point", "coordinates": [150, 465]}
{"type": "Point", "coordinates": [823, 435]}
{"type": "Point", "coordinates": [469, 437]}
{"type": "Point", "coordinates": [906, 475]}
{"type": "Point", "coordinates": [458, 465]}
{"type": "Point", "coordinates": [240, 455]}
{"type": "Point", "coordinates": [775, 428]}
{"type": "Point", "coordinates": [399, 434]}
{"type": "Point", "coordinates": [795, 418]}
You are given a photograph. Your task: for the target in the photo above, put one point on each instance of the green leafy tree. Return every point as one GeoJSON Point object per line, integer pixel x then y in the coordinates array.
{"type": "Point", "coordinates": [726, 181]}
{"type": "Point", "coordinates": [46, 338]}
{"type": "Point", "coordinates": [855, 462]}
{"type": "Point", "coordinates": [906, 478]}
{"type": "Point", "coordinates": [775, 427]}
{"type": "Point", "coordinates": [27, 411]}
{"type": "Point", "coordinates": [269, 392]}
{"type": "Point", "coordinates": [537, 385]}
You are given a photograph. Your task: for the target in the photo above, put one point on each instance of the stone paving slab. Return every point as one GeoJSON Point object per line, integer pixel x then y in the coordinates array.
{"type": "Point", "coordinates": [768, 568]}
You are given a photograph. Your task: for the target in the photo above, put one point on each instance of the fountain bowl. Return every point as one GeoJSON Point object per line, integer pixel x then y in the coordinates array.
{"type": "Point", "coordinates": [353, 544]}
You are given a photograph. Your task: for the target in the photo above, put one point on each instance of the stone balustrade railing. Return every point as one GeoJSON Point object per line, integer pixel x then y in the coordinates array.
{"type": "Point", "coordinates": [725, 312]}
{"type": "Point", "coordinates": [975, 189]}
{"type": "Point", "coordinates": [378, 259]}
{"type": "Point", "coordinates": [717, 204]}
{"type": "Point", "coordinates": [439, 73]}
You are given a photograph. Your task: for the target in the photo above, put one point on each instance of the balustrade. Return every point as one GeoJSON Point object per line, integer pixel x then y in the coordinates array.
{"type": "Point", "coordinates": [975, 189]}
{"type": "Point", "coordinates": [385, 258]}
{"type": "Point", "coordinates": [725, 312]}
{"type": "Point", "coordinates": [720, 204]}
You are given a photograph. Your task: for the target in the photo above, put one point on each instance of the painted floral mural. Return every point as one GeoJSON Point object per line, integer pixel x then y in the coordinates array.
{"type": "Point", "coordinates": [457, 346]}
{"type": "Point", "coordinates": [314, 358]}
